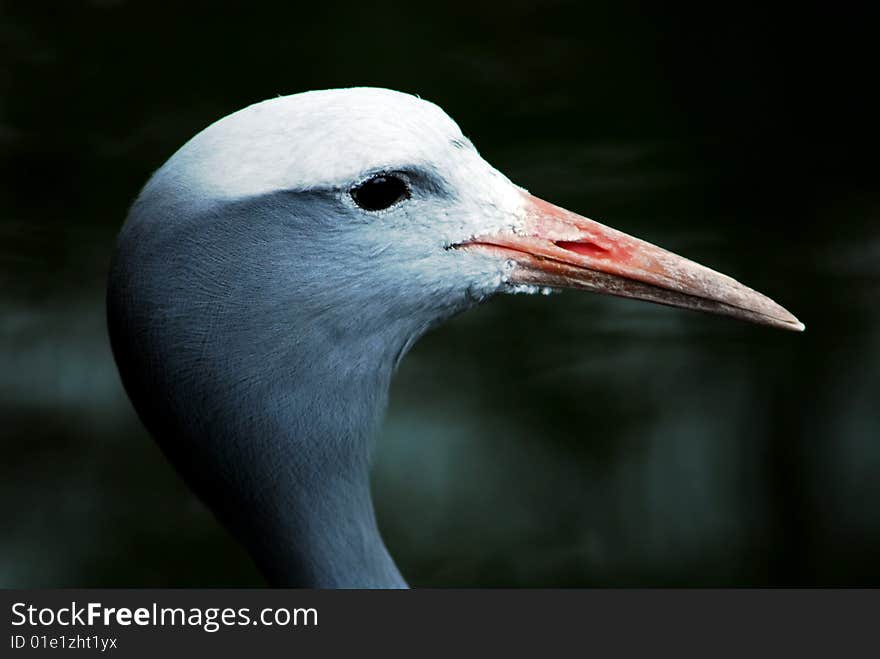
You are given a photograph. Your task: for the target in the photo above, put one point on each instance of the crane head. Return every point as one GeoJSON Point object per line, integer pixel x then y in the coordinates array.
{"type": "Point", "coordinates": [376, 200]}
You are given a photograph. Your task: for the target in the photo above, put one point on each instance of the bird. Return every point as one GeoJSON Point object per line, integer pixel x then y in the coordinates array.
{"type": "Point", "coordinates": [273, 272]}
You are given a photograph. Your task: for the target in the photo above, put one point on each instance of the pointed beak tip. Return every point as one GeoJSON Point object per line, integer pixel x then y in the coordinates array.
{"type": "Point", "coordinates": [786, 320]}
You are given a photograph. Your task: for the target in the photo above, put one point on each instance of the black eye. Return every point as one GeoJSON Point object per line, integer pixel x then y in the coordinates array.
{"type": "Point", "coordinates": [379, 192]}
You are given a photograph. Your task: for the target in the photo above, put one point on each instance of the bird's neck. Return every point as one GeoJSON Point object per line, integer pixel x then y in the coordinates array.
{"type": "Point", "coordinates": [320, 532]}
{"type": "Point", "coordinates": [294, 467]}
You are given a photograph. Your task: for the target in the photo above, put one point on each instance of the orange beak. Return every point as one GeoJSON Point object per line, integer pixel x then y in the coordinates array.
{"type": "Point", "coordinates": [560, 249]}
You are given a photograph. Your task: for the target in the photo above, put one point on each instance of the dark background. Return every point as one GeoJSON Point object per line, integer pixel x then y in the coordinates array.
{"type": "Point", "coordinates": [569, 440]}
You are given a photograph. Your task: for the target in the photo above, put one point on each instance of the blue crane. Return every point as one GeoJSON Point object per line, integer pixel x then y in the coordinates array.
{"type": "Point", "coordinates": [275, 270]}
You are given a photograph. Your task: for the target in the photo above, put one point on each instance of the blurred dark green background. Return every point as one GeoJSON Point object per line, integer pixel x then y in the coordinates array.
{"type": "Point", "coordinates": [569, 440]}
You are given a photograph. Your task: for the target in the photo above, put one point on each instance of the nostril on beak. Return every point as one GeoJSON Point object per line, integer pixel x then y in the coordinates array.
{"type": "Point", "coordinates": [585, 247]}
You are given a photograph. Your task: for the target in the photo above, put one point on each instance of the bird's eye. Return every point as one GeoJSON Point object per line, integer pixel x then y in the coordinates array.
{"type": "Point", "coordinates": [380, 192]}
